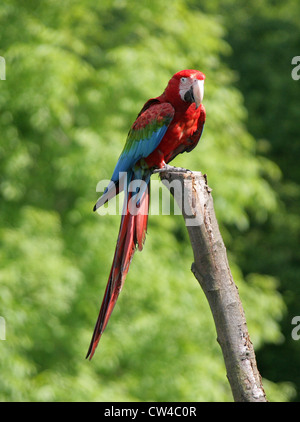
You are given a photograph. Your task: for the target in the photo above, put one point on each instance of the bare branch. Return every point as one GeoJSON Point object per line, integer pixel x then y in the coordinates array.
{"type": "Point", "coordinates": [212, 271]}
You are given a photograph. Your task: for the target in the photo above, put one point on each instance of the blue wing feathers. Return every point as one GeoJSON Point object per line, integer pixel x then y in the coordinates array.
{"type": "Point", "coordinates": [143, 138]}
{"type": "Point", "coordinates": [141, 149]}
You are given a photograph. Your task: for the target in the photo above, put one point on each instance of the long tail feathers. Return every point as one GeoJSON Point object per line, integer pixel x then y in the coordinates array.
{"type": "Point", "coordinates": [132, 233]}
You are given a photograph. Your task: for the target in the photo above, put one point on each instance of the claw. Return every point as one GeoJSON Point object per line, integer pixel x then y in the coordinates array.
{"type": "Point", "coordinates": [167, 167]}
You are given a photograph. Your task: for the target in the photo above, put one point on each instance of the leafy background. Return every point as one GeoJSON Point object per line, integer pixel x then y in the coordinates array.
{"type": "Point", "coordinates": [77, 74]}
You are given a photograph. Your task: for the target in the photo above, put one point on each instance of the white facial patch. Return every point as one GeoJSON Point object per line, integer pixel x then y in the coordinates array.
{"type": "Point", "coordinates": [195, 85]}
{"type": "Point", "coordinates": [184, 86]}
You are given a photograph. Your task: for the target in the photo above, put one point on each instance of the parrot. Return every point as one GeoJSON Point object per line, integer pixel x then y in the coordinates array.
{"type": "Point", "coordinates": [165, 127]}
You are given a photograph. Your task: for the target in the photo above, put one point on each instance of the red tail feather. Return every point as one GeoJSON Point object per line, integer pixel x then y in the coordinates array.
{"type": "Point", "coordinates": [142, 220]}
{"type": "Point", "coordinates": [132, 233]}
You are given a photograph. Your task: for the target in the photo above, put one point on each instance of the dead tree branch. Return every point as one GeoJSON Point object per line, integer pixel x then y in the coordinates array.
{"type": "Point", "coordinates": [212, 271]}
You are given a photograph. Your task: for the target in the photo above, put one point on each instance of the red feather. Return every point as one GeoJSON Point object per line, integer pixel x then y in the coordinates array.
{"type": "Point", "coordinates": [132, 233]}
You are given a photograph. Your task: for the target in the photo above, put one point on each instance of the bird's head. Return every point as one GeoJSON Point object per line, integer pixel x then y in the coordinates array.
{"type": "Point", "coordinates": [186, 87]}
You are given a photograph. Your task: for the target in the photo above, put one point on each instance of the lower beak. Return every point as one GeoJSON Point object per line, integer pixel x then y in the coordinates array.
{"type": "Point", "coordinates": [198, 92]}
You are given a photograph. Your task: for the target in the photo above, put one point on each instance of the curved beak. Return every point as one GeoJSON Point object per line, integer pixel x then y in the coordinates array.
{"type": "Point", "coordinates": [197, 92]}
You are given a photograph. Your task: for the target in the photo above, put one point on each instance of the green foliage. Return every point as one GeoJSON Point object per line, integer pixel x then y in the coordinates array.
{"type": "Point", "coordinates": [78, 72]}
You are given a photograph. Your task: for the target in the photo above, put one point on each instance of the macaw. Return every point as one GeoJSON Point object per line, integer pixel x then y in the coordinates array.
{"type": "Point", "coordinates": [165, 127]}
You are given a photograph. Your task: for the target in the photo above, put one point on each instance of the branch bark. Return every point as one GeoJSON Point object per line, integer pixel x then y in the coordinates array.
{"type": "Point", "coordinates": [212, 271]}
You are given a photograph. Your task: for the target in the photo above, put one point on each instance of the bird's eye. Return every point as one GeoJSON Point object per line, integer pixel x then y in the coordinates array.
{"type": "Point", "coordinates": [183, 79]}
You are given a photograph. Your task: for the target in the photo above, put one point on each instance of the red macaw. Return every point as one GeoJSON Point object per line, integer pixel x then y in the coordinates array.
{"type": "Point", "coordinates": [166, 126]}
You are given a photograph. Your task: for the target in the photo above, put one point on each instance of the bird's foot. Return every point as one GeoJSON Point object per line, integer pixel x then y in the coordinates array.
{"type": "Point", "coordinates": [167, 167]}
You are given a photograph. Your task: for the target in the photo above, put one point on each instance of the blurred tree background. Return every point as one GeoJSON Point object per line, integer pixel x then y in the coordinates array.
{"type": "Point", "coordinates": [77, 74]}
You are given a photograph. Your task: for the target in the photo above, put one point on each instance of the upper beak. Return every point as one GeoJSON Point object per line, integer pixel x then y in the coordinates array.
{"type": "Point", "coordinates": [198, 91]}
